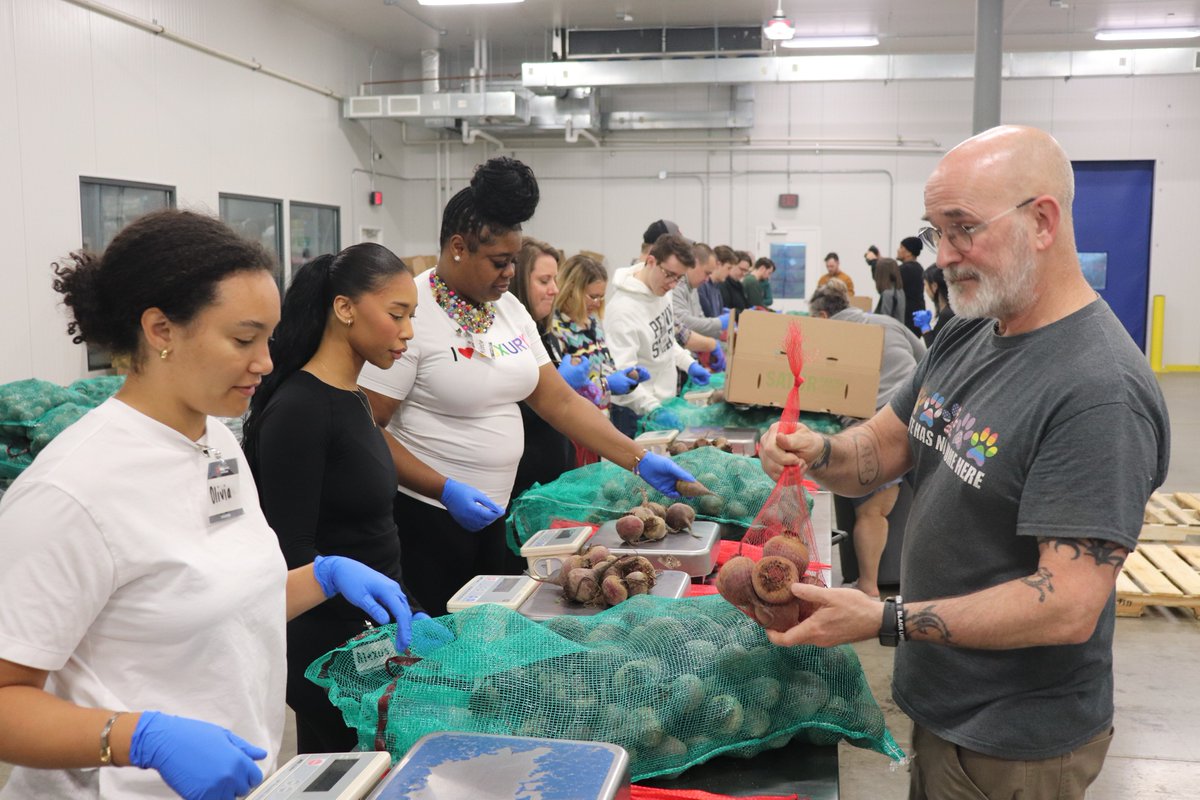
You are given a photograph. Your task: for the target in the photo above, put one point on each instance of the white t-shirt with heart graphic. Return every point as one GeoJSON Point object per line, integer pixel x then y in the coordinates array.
{"type": "Point", "coordinates": [459, 412]}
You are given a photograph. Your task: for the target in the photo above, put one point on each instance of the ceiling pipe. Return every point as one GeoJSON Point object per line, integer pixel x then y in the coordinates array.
{"type": "Point", "coordinates": [573, 133]}
{"type": "Point", "coordinates": [158, 30]}
{"type": "Point", "coordinates": [469, 135]}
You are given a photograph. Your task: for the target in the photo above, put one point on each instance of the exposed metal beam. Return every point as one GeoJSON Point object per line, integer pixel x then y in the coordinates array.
{"type": "Point", "coordinates": [989, 31]}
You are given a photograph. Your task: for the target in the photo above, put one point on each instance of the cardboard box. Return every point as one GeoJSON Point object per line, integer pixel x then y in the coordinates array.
{"type": "Point", "coordinates": [842, 361]}
{"type": "Point", "coordinates": [862, 302]}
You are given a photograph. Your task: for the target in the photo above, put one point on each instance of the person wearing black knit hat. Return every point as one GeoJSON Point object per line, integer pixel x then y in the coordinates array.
{"type": "Point", "coordinates": [912, 275]}
{"type": "Point", "coordinates": [654, 230]}
{"type": "Point", "coordinates": [450, 403]}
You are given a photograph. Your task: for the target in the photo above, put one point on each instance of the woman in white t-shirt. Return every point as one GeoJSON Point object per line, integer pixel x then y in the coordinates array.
{"type": "Point", "coordinates": [450, 403]}
{"type": "Point", "coordinates": [138, 570]}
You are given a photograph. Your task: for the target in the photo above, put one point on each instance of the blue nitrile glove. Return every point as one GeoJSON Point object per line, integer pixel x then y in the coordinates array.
{"type": "Point", "coordinates": [698, 374]}
{"type": "Point", "coordinates": [643, 374]}
{"type": "Point", "coordinates": [718, 359]}
{"type": "Point", "coordinates": [724, 319]}
{"type": "Point", "coordinates": [620, 383]}
{"type": "Point", "coordinates": [661, 473]}
{"type": "Point", "coordinates": [419, 615]}
{"type": "Point", "coordinates": [576, 375]}
{"type": "Point", "coordinates": [470, 507]}
{"type": "Point", "coordinates": [199, 760]}
{"type": "Point", "coordinates": [921, 319]}
{"type": "Point", "coordinates": [368, 589]}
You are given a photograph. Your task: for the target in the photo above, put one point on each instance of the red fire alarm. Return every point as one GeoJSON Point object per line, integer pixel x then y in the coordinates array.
{"type": "Point", "coordinates": [789, 201]}
{"type": "Point", "coordinates": [376, 198]}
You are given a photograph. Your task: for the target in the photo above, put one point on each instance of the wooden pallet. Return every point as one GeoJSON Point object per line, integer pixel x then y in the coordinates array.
{"type": "Point", "coordinates": [1159, 575]}
{"type": "Point", "coordinates": [1171, 517]}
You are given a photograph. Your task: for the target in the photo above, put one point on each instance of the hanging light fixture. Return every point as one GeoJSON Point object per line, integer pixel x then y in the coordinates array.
{"type": "Point", "coordinates": [779, 28]}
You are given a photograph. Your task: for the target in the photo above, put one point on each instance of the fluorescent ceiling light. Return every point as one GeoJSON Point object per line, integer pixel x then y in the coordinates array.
{"type": "Point", "coordinates": [813, 42]}
{"type": "Point", "coordinates": [465, 2]}
{"type": "Point", "coordinates": [1143, 34]}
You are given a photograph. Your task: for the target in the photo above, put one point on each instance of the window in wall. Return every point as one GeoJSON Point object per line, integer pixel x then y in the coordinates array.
{"type": "Point", "coordinates": [107, 206]}
{"type": "Point", "coordinates": [259, 219]}
{"type": "Point", "coordinates": [315, 229]}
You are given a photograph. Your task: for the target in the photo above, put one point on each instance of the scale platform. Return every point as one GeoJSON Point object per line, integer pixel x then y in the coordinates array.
{"type": "Point", "coordinates": [547, 600]}
{"type": "Point", "coordinates": [452, 765]}
{"type": "Point", "coordinates": [695, 555]}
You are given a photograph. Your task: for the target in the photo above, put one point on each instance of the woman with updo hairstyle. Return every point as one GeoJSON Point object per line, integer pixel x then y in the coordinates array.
{"type": "Point", "coordinates": [324, 473]}
{"type": "Point", "coordinates": [143, 596]}
{"type": "Point", "coordinates": [450, 403]}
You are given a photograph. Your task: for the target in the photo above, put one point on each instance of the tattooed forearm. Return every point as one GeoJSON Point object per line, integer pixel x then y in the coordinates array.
{"type": "Point", "coordinates": [1040, 581]}
{"type": "Point", "coordinates": [928, 623]}
{"type": "Point", "coordinates": [866, 456]}
{"type": "Point", "coordinates": [1101, 551]}
{"type": "Point", "coordinates": [826, 450]}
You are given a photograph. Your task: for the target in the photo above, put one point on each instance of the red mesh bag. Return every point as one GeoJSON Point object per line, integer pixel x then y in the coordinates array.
{"type": "Point", "coordinates": [779, 546]}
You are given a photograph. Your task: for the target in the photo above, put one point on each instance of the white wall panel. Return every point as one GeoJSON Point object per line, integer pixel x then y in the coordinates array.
{"type": "Point", "coordinates": [14, 297]}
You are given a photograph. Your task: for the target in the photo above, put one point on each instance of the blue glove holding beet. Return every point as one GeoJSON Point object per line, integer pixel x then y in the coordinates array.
{"type": "Point", "coordinates": [368, 589]}
{"type": "Point", "coordinates": [662, 473]}
{"type": "Point", "coordinates": [718, 359]}
{"type": "Point", "coordinates": [620, 383]}
{"type": "Point", "coordinates": [470, 507]}
{"type": "Point", "coordinates": [199, 760]}
{"type": "Point", "coordinates": [698, 374]}
{"type": "Point", "coordinates": [921, 319]}
{"type": "Point", "coordinates": [576, 375]}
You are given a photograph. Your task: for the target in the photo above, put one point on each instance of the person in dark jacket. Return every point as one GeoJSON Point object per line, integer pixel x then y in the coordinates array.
{"type": "Point", "coordinates": [912, 274]}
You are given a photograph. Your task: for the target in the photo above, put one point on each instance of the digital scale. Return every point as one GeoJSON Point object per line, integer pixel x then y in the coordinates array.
{"type": "Point", "coordinates": [324, 776]}
{"type": "Point", "coordinates": [547, 600]}
{"type": "Point", "coordinates": [509, 591]}
{"type": "Point", "coordinates": [657, 441]}
{"type": "Point", "coordinates": [546, 550]}
{"type": "Point", "coordinates": [454, 765]}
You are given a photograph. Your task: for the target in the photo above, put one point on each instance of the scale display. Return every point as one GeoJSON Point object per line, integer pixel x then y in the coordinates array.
{"type": "Point", "coordinates": [325, 776]}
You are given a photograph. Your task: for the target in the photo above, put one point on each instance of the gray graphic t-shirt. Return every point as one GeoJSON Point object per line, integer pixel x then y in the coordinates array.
{"type": "Point", "coordinates": [1061, 432]}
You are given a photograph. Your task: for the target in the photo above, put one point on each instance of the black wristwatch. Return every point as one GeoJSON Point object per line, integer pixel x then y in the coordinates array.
{"type": "Point", "coordinates": [892, 629]}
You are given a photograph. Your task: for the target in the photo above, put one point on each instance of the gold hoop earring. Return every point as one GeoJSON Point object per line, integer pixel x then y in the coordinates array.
{"type": "Point", "coordinates": [162, 354]}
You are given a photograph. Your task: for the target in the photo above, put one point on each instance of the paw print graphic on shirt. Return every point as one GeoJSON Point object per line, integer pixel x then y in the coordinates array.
{"type": "Point", "coordinates": [983, 446]}
{"type": "Point", "coordinates": [931, 409]}
{"type": "Point", "coordinates": [952, 412]}
{"type": "Point", "coordinates": [960, 430]}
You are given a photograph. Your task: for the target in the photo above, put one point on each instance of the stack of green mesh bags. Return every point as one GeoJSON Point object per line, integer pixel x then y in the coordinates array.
{"type": "Point", "coordinates": [674, 682]}
{"type": "Point", "coordinates": [33, 412]}
{"type": "Point", "coordinates": [601, 492]}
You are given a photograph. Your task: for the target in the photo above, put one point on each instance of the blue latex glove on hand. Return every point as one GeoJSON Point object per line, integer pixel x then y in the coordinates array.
{"type": "Point", "coordinates": [661, 473]}
{"type": "Point", "coordinates": [620, 383]}
{"type": "Point", "coordinates": [724, 319]}
{"type": "Point", "coordinates": [470, 507]}
{"type": "Point", "coordinates": [643, 374]}
{"type": "Point", "coordinates": [419, 615]}
{"type": "Point", "coordinates": [199, 760]}
{"type": "Point", "coordinates": [368, 589]}
{"type": "Point", "coordinates": [921, 319]}
{"type": "Point", "coordinates": [698, 374]}
{"type": "Point", "coordinates": [576, 375]}
{"type": "Point", "coordinates": [718, 359]}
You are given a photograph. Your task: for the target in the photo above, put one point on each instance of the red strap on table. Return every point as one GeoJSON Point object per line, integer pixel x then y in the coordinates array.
{"type": "Point", "coordinates": [638, 792]}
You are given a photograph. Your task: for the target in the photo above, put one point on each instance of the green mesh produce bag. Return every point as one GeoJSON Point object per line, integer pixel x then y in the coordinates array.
{"type": "Point", "coordinates": [601, 492]}
{"type": "Point", "coordinates": [677, 413]}
{"type": "Point", "coordinates": [675, 682]}
{"type": "Point", "coordinates": [715, 381]}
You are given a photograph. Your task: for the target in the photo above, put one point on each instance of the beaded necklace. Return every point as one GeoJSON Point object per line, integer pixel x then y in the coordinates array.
{"type": "Point", "coordinates": [469, 317]}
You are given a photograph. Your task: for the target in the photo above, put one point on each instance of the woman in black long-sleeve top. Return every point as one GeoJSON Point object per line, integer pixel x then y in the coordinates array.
{"type": "Point", "coordinates": [324, 473]}
{"type": "Point", "coordinates": [939, 295]}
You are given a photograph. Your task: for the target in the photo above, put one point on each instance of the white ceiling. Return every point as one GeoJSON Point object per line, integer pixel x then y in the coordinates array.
{"type": "Point", "coordinates": [521, 32]}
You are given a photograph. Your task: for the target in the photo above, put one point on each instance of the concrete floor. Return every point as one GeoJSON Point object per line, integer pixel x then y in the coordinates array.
{"type": "Point", "coordinates": [1155, 753]}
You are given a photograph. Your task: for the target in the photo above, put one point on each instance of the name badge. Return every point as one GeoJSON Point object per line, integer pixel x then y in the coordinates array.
{"type": "Point", "coordinates": [224, 490]}
{"type": "Point", "coordinates": [482, 345]}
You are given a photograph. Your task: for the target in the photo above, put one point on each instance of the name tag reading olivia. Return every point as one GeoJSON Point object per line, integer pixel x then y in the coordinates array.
{"type": "Point", "coordinates": [224, 490]}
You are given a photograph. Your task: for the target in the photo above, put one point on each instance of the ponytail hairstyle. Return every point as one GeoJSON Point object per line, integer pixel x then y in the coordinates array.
{"type": "Point", "coordinates": [359, 269]}
{"type": "Point", "coordinates": [502, 194]}
{"type": "Point", "coordinates": [170, 260]}
{"type": "Point", "coordinates": [941, 293]}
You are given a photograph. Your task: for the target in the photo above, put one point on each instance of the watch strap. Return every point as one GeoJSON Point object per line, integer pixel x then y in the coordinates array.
{"type": "Point", "coordinates": [889, 629]}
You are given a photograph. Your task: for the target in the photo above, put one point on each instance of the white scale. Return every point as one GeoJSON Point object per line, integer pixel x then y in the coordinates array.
{"type": "Point", "coordinates": [325, 776]}
{"type": "Point", "coordinates": [509, 591]}
{"type": "Point", "coordinates": [546, 549]}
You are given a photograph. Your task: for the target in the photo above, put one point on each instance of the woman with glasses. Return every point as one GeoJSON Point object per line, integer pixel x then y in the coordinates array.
{"type": "Point", "coordinates": [578, 332]}
{"type": "Point", "coordinates": [450, 403]}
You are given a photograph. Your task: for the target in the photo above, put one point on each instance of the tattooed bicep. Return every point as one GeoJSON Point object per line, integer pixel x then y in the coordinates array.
{"type": "Point", "coordinates": [1100, 552]}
